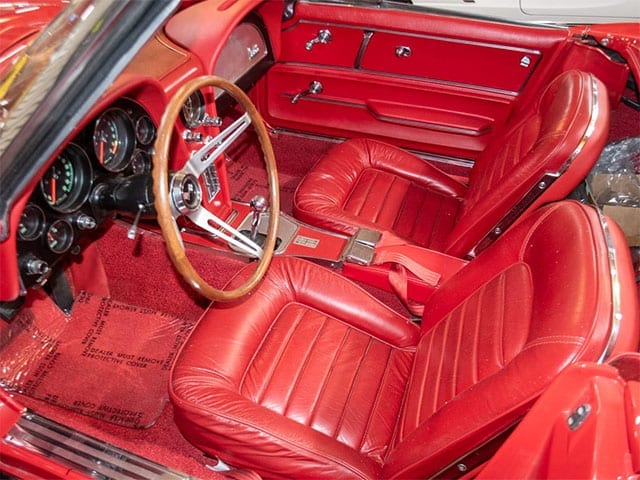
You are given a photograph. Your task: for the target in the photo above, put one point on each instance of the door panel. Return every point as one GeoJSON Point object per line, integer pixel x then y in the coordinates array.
{"type": "Point", "coordinates": [449, 120]}
{"type": "Point", "coordinates": [438, 84]}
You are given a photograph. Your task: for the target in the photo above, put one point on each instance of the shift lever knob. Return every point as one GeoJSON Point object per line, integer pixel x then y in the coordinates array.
{"type": "Point", "coordinates": [258, 205]}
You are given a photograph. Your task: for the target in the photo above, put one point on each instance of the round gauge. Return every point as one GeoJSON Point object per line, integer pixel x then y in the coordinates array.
{"type": "Point", "coordinates": [114, 139]}
{"type": "Point", "coordinates": [60, 236]}
{"type": "Point", "coordinates": [31, 223]}
{"type": "Point", "coordinates": [66, 185]}
{"type": "Point", "coordinates": [145, 130]}
{"type": "Point", "coordinates": [140, 162]}
{"type": "Point", "coordinates": [193, 111]}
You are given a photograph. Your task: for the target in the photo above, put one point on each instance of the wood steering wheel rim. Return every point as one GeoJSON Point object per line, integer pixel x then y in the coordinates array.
{"type": "Point", "coordinates": [170, 231]}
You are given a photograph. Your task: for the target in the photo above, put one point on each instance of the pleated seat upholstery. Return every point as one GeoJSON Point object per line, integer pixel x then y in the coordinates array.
{"type": "Point", "coordinates": [312, 377]}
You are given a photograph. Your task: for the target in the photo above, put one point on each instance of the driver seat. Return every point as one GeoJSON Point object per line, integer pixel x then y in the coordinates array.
{"type": "Point", "coordinates": [311, 377]}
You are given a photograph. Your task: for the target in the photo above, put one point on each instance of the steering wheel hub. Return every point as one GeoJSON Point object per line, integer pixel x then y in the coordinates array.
{"type": "Point", "coordinates": [186, 193]}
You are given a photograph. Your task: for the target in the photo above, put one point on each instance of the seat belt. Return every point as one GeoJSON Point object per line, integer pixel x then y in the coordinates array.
{"type": "Point", "coordinates": [399, 278]}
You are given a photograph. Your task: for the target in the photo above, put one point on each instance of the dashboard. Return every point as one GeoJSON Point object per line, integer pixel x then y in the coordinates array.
{"type": "Point", "coordinates": [104, 169]}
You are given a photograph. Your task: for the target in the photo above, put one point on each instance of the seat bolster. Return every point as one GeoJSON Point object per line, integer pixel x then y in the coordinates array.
{"type": "Point", "coordinates": [394, 160]}
{"type": "Point", "coordinates": [295, 280]}
{"type": "Point", "coordinates": [223, 423]}
{"type": "Point", "coordinates": [320, 197]}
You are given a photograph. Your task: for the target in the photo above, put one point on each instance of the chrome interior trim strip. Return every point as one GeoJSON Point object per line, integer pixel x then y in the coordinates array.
{"type": "Point", "coordinates": [590, 127]}
{"type": "Point", "coordinates": [616, 289]}
{"type": "Point", "coordinates": [83, 453]}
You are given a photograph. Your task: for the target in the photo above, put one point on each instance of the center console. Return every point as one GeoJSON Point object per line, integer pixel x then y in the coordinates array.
{"type": "Point", "coordinates": [367, 257]}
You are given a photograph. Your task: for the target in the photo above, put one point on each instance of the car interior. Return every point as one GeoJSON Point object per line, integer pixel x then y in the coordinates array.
{"type": "Point", "coordinates": [309, 239]}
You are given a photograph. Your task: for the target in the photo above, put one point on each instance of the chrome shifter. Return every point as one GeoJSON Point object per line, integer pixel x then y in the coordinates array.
{"type": "Point", "coordinates": [258, 205]}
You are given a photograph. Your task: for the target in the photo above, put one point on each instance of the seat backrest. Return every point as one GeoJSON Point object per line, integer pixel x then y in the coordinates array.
{"type": "Point", "coordinates": [496, 334]}
{"type": "Point", "coordinates": [546, 151]}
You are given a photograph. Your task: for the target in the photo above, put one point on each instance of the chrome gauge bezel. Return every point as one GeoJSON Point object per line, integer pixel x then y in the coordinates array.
{"type": "Point", "coordinates": [114, 139]}
{"type": "Point", "coordinates": [32, 223]}
{"type": "Point", "coordinates": [145, 130]}
{"type": "Point", "coordinates": [193, 111]}
{"type": "Point", "coordinates": [74, 161]}
{"type": "Point", "coordinates": [60, 236]}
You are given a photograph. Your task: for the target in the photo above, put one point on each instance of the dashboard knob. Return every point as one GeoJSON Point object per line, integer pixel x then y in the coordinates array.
{"type": "Point", "coordinates": [86, 222]}
{"type": "Point", "coordinates": [36, 266]}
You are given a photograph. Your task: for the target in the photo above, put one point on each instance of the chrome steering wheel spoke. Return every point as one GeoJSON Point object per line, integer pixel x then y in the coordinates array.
{"type": "Point", "coordinates": [213, 148]}
{"type": "Point", "coordinates": [221, 229]}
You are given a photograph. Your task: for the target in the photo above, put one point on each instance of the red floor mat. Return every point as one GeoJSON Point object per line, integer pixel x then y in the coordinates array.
{"type": "Point", "coordinates": [108, 359]}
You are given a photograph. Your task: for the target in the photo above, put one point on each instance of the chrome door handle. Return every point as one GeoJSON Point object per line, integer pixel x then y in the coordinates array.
{"type": "Point", "coordinates": [403, 51]}
{"type": "Point", "coordinates": [315, 88]}
{"type": "Point", "coordinates": [324, 36]}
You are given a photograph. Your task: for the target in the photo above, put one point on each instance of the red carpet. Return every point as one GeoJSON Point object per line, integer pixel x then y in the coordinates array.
{"type": "Point", "coordinates": [294, 155]}
{"type": "Point", "coordinates": [109, 360]}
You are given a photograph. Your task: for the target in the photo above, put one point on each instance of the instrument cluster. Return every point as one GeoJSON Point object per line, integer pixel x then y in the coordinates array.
{"type": "Point", "coordinates": [83, 186]}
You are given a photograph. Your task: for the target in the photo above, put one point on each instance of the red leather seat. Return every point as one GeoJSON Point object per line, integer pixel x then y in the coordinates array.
{"type": "Point", "coordinates": [311, 377]}
{"type": "Point", "coordinates": [542, 155]}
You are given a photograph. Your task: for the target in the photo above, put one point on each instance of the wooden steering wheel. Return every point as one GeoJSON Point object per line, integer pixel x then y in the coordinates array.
{"type": "Point", "coordinates": [182, 193]}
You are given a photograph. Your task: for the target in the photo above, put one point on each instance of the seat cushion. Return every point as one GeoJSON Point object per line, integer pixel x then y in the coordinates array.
{"type": "Point", "coordinates": [297, 380]}
{"type": "Point", "coordinates": [366, 183]}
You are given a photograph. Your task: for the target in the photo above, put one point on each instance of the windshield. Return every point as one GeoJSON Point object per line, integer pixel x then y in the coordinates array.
{"type": "Point", "coordinates": [53, 84]}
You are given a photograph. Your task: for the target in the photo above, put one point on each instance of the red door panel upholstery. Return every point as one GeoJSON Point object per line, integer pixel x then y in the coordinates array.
{"type": "Point", "coordinates": [449, 120]}
{"type": "Point", "coordinates": [451, 83]}
{"type": "Point", "coordinates": [605, 444]}
{"type": "Point", "coordinates": [491, 66]}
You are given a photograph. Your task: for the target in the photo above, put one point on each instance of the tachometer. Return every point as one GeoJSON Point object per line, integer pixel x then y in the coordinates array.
{"type": "Point", "coordinates": [66, 185]}
{"type": "Point", "coordinates": [114, 139]}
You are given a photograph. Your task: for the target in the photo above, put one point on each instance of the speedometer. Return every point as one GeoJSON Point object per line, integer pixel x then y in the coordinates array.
{"type": "Point", "coordinates": [114, 139]}
{"type": "Point", "coordinates": [66, 184]}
